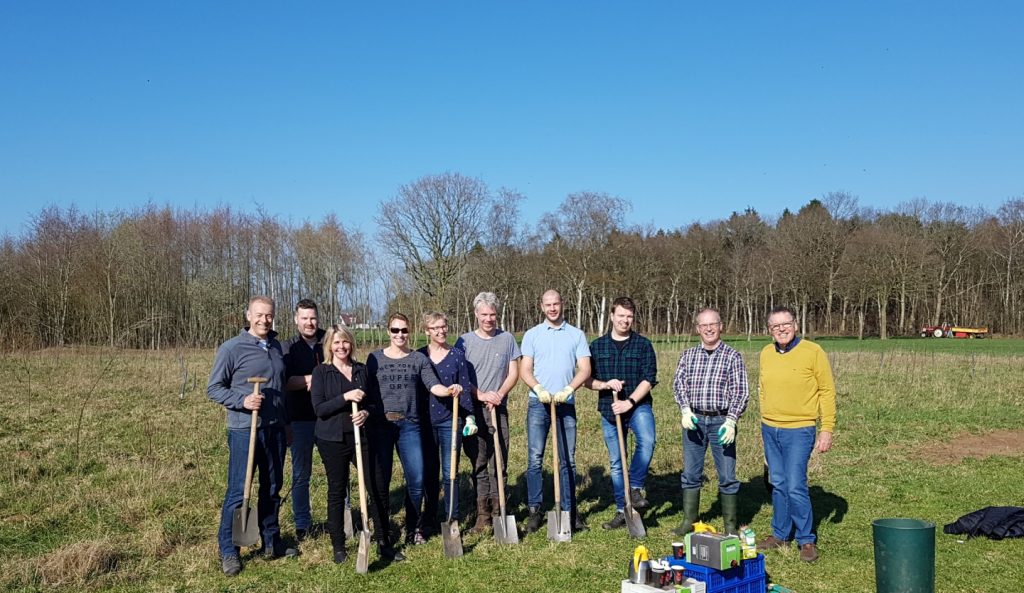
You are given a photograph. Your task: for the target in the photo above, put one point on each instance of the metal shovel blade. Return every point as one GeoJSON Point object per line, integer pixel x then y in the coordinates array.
{"type": "Point", "coordinates": [505, 531]}
{"type": "Point", "coordinates": [451, 538]}
{"type": "Point", "coordinates": [245, 530]}
{"type": "Point", "coordinates": [634, 524]}
{"type": "Point", "coordinates": [559, 526]}
{"type": "Point", "coordinates": [352, 523]}
{"type": "Point", "coordinates": [363, 555]}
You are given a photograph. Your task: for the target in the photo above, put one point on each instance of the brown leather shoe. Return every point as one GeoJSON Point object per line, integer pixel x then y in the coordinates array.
{"type": "Point", "coordinates": [809, 552]}
{"type": "Point", "coordinates": [771, 543]}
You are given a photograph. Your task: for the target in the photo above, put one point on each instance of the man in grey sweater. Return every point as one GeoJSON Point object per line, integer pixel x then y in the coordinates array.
{"type": "Point", "coordinates": [254, 352]}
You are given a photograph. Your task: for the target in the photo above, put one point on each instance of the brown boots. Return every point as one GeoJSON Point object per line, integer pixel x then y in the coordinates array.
{"type": "Point", "coordinates": [483, 516]}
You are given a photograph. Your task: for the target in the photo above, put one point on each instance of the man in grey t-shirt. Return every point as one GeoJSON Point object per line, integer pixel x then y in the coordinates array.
{"type": "Point", "coordinates": [493, 357]}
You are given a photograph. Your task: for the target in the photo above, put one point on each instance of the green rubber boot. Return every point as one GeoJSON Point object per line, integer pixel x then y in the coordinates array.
{"type": "Point", "coordinates": [691, 506]}
{"type": "Point", "coordinates": [729, 512]}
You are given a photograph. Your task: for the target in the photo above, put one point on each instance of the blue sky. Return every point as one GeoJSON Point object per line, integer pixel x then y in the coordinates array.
{"type": "Point", "coordinates": [688, 110]}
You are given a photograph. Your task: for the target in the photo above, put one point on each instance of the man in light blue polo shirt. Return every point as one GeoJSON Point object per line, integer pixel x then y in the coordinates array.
{"type": "Point", "coordinates": [556, 356]}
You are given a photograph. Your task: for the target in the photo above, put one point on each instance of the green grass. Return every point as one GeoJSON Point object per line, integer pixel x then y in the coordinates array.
{"type": "Point", "coordinates": [111, 482]}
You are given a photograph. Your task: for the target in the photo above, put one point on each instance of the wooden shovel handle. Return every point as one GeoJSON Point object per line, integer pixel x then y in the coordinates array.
{"type": "Point", "coordinates": [359, 468]}
{"type": "Point", "coordinates": [558, 468]}
{"type": "Point", "coordinates": [499, 461]}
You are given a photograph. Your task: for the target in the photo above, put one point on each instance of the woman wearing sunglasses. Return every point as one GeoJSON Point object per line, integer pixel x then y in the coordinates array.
{"type": "Point", "coordinates": [395, 373]}
{"type": "Point", "coordinates": [337, 383]}
{"type": "Point", "coordinates": [451, 368]}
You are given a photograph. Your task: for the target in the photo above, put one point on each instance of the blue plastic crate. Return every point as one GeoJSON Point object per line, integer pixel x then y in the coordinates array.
{"type": "Point", "coordinates": [745, 577]}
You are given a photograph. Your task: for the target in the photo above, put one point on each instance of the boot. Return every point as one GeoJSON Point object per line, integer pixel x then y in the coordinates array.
{"type": "Point", "coordinates": [483, 516]}
{"type": "Point", "coordinates": [495, 506]}
{"type": "Point", "coordinates": [729, 512]}
{"type": "Point", "coordinates": [691, 505]}
{"type": "Point", "coordinates": [534, 520]}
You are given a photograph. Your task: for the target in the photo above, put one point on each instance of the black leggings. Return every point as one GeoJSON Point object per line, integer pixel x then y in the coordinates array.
{"type": "Point", "coordinates": [339, 460]}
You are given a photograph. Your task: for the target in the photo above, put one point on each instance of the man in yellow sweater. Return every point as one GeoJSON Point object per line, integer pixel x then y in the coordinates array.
{"type": "Point", "coordinates": [796, 391]}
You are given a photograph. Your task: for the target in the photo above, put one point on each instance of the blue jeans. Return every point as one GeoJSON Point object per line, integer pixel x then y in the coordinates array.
{"type": "Point", "coordinates": [302, 469]}
{"type": "Point", "coordinates": [787, 451]}
{"type": "Point", "coordinates": [441, 455]}
{"type": "Point", "coordinates": [406, 437]}
{"type": "Point", "coordinates": [641, 423]}
{"type": "Point", "coordinates": [538, 421]}
{"type": "Point", "coordinates": [695, 446]}
{"type": "Point", "coordinates": [269, 463]}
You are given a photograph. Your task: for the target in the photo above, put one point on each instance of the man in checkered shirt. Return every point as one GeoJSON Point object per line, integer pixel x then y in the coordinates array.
{"type": "Point", "coordinates": [711, 389]}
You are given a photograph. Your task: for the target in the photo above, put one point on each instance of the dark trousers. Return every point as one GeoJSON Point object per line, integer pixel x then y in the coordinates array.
{"type": "Point", "coordinates": [480, 450]}
{"type": "Point", "coordinates": [339, 461]}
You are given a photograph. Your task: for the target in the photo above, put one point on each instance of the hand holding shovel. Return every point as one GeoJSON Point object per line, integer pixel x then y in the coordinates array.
{"type": "Point", "coordinates": [244, 528]}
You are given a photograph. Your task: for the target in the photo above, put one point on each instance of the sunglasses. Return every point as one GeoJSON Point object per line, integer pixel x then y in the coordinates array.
{"type": "Point", "coordinates": [398, 330]}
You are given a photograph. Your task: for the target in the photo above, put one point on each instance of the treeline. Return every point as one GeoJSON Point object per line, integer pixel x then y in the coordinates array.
{"type": "Point", "coordinates": [157, 277]}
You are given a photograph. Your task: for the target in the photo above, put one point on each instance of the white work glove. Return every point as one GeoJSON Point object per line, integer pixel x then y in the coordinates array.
{"type": "Point", "coordinates": [689, 420]}
{"type": "Point", "coordinates": [727, 432]}
{"type": "Point", "coordinates": [470, 428]}
{"type": "Point", "coordinates": [542, 394]}
{"type": "Point", "coordinates": [563, 396]}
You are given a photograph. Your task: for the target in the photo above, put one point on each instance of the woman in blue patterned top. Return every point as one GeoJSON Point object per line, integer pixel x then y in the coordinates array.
{"type": "Point", "coordinates": [451, 368]}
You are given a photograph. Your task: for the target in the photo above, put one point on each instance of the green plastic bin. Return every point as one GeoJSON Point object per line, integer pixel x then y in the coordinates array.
{"type": "Point", "coordinates": [904, 555]}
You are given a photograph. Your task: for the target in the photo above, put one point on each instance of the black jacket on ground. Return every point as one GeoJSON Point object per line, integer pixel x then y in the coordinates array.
{"type": "Point", "coordinates": [993, 522]}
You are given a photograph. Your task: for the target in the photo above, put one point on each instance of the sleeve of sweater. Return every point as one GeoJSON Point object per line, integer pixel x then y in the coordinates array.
{"type": "Point", "coordinates": [219, 388]}
{"type": "Point", "coordinates": [826, 391]}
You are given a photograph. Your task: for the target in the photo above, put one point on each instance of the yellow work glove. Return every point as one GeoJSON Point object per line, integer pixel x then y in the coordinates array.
{"type": "Point", "coordinates": [542, 394]}
{"type": "Point", "coordinates": [563, 396]}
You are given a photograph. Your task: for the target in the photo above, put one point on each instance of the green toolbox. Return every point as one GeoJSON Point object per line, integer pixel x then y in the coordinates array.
{"type": "Point", "coordinates": [713, 550]}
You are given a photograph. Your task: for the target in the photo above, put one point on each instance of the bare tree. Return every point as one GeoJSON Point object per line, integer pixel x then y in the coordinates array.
{"type": "Point", "coordinates": [431, 225]}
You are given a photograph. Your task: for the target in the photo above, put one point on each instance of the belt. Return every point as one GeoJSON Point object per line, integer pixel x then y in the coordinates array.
{"type": "Point", "coordinates": [711, 413]}
{"type": "Point", "coordinates": [394, 416]}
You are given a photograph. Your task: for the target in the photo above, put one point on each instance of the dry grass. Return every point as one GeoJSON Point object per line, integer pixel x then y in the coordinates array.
{"type": "Point", "coordinates": [111, 481]}
{"type": "Point", "coordinates": [78, 563]}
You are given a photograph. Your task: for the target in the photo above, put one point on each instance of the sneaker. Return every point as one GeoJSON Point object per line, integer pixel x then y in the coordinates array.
{"type": "Point", "coordinates": [340, 556]}
{"type": "Point", "coordinates": [279, 551]}
{"type": "Point", "coordinates": [231, 565]}
{"type": "Point", "coordinates": [390, 554]}
{"type": "Point", "coordinates": [534, 521]}
{"type": "Point", "coordinates": [636, 497]}
{"type": "Point", "coordinates": [771, 543]}
{"type": "Point", "coordinates": [809, 552]}
{"type": "Point", "coordinates": [617, 522]}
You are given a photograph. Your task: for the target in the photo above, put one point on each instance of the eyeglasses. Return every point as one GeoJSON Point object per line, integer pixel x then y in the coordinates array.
{"type": "Point", "coordinates": [398, 330]}
{"type": "Point", "coordinates": [781, 326]}
{"type": "Point", "coordinates": [704, 326]}
{"type": "Point", "coordinates": [440, 328]}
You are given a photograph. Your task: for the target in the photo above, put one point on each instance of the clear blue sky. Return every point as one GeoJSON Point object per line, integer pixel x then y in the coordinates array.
{"type": "Point", "coordinates": [688, 110]}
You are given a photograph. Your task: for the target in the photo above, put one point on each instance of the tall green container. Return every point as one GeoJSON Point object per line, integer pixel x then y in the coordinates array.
{"type": "Point", "coordinates": [904, 555]}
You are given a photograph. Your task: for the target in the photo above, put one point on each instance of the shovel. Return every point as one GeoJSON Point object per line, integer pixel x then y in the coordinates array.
{"type": "Point", "coordinates": [634, 524]}
{"type": "Point", "coordinates": [245, 529]}
{"type": "Point", "coordinates": [505, 531]}
{"type": "Point", "coordinates": [559, 523]}
{"type": "Point", "coordinates": [450, 535]}
{"type": "Point", "coordinates": [363, 555]}
{"type": "Point", "coordinates": [350, 519]}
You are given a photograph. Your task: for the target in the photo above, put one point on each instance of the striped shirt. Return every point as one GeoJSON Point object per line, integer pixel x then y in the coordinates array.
{"type": "Point", "coordinates": [712, 382]}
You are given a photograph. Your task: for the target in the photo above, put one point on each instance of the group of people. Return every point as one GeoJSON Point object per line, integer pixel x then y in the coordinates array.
{"type": "Point", "coordinates": [406, 401]}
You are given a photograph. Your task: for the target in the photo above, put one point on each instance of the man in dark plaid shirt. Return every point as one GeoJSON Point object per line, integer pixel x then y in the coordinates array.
{"type": "Point", "coordinates": [711, 389]}
{"type": "Point", "coordinates": [625, 371]}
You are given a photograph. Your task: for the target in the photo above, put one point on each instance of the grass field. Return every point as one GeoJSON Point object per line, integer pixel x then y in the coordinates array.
{"type": "Point", "coordinates": [112, 481]}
